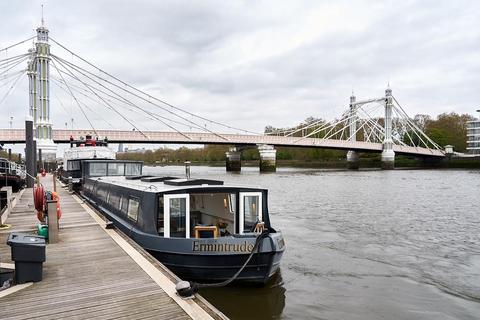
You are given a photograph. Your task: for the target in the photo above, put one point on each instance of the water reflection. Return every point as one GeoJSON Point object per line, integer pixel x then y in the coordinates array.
{"type": "Point", "coordinates": [241, 301]}
{"type": "Point", "coordinates": [363, 245]}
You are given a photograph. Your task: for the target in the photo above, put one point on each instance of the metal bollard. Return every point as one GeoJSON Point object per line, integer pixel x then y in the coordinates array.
{"type": "Point", "coordinates": [52, 221]}
{"type": "Point", "coordinates": [54, 177]}
{"type": "Point", "coordinates": [70, 184]}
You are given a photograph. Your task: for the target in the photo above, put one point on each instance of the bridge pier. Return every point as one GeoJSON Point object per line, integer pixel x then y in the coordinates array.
{"type": "Point", "coordinates": [268, 158]}
{"type": "Point", "coordinates": [388, 155]}
{"type": "Point", "coordinates": [352, 160]}
{"type": "Point", "coordinates": [233, 160]}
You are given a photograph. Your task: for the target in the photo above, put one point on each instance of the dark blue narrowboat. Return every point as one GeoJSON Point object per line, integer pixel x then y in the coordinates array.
{"type": "Point", "coordinates": [200, 229]}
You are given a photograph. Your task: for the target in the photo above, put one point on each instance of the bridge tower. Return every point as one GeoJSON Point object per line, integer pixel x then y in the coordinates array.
{"type": "Point", "coordinates": [388, 155]}
{"type": "Point", "coordinates": [39, 94]}
{"type": "Point", "coordinates": [352, 156]}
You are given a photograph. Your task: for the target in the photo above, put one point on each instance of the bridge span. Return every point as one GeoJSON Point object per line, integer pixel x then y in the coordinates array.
{"type": "Point", "coordinates": [159, 137]}
{"type": "Point", "coordinates": [372, 125]}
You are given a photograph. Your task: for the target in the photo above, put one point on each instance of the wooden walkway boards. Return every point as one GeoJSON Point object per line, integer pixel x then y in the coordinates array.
{"type": "Point", "coordinates": [90, 275]}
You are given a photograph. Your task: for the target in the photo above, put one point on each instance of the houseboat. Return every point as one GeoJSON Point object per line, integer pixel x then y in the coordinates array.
{"type": "Point", "coordinates": [200, 229]}
{"type": "Point", "coordinates": [11, 175]}
{"type": "Point", "coordinates": [80, 150]}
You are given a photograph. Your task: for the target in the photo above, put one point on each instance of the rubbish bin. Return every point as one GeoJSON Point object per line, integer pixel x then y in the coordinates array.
{"type": "Point", "coordinates": [28, 253]}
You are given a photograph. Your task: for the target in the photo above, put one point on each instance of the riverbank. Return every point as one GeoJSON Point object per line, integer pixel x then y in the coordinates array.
{"type": "Point", "coordinates": [373, 161]}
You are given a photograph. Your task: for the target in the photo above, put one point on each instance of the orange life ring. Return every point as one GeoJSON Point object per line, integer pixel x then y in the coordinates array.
{"type": "Point", "coordinates": [39, 201]}
{"type": "Point", "coordinates": [39, 198]}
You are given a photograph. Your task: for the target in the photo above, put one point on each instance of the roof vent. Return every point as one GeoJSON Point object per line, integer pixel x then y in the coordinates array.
{"type": "Point", "coordinates": [192, 182]}
{"type": "Point", "coordinates": [136, 177]}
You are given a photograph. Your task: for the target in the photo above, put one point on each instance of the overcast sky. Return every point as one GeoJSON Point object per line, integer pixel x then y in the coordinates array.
{"type": "Point", "coordinates": [257, 63]}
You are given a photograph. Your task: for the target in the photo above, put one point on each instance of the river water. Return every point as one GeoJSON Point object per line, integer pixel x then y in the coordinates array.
{"type": "Point", "coordinates": [368, 244]}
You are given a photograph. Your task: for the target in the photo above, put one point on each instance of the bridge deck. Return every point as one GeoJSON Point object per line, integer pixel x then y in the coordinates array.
{"type": "Point", "coordinates": [122, 136]}
{"type": "Point", "coordinates": [90, 275]}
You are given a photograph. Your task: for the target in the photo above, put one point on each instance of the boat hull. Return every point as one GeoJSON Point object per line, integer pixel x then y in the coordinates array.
{"type": "Point", "coordinates": [11, 181]}
{"type": "Point", "coordinates": [219, 267]}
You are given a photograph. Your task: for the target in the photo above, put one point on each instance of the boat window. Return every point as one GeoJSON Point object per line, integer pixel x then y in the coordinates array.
{"type": "Point", "coordinates": [132, 169]}
{"type": "Point", "coordinates": [160, 218]}
{"type": "Point", "coordinates": [212, 211]}
{"type": "Point", "coordinates": [133, 208]}
{"type": "Point", "coordinates": [116, 169]}
{"type": "Point", "coordinates": [178, 217]}
{"type": "Point", "coordinates": [114, 200]}
{"type": "Point", "coordinates": [102, 193]}
{"type": "Point", "coordinates": [123, 204]}
{"type": "Point", "coordinates": [250, 210]}
{"type": "Point", "coordinates": [98, 169]}
{"type": "Point", "coordinates": [73, 165]}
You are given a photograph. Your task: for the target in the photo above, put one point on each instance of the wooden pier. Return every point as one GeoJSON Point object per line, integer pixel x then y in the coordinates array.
{"type": "Point", "coordinates": [92, 272]}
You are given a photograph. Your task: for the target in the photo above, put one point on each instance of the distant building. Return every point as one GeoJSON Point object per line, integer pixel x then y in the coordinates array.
{"type": "Point", "coordinates": [138, 150]}
{"type": "Point", "coordinates": [473, 136]}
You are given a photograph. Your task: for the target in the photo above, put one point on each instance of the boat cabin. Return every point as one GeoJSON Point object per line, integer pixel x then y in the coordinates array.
{"type": "Point", "coordinates": [179, 208]}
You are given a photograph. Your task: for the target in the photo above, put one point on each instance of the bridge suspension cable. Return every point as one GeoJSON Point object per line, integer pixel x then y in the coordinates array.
{"type": "Point", "coordinates": [16, 44]}
{"type": "Point", "coordinates": [119, 98]}
{"type": "Point", "coordinates": [369, 116]}
{"type": "Point", "coordinates": [12, 87]}
{"type": "Point", "coordinates": [76, 68]}
{"type": "Point", "coordinates": [122, 103]}
{"type": "Point", "coordinates": [105, 102]}
{"type": "Point", "coordinates": [75, 98]}
{"type": "Point", "coordinates": [147, 97]}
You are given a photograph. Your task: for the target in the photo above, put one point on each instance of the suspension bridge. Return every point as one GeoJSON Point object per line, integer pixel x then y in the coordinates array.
{"type": "Point", "coordinates": [86, 91]}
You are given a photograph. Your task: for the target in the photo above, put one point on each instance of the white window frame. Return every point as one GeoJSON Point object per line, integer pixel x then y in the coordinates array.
{"type": "Point", "coordinates": [241, 211]}
{"type": "Point", "coordinates": [166, 213]}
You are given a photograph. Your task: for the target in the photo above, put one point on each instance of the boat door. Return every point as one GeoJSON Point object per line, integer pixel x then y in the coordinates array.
{"type": "Point", "coordinates": [177, 215]}
{"type": "Point", "coordinates": [250, 210]}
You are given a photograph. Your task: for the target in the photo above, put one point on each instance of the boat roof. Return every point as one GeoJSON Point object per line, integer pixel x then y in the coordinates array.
{"type": "Point", "coordinates": [171, 184]}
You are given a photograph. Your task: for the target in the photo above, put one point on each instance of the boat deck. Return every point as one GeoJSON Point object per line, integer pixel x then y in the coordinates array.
{"type": "Point", "coordinates": [92, 272]}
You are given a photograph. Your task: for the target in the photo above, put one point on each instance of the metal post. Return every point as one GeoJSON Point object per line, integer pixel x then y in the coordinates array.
{"type": "Point", "coordinates": [70, 184]}
{"type": "Point", "coordinates": [352, 156]}
{"type": "Point", "coordinates": [388, 155]}
{"type": "Point", "coordinates": [187, 169]}
{"type": "Point", "coordinates": [35, 157]}
{"type": "Point", "coordinates": [9, 154]}
{"type": "Point", "coordinates": [19, 158]}
{"type": "Point", "coordinates": [52, 221]}
{"type": "Point", "coordinates": [29, 154]}
{"type": "Point", "coordinates": [40, 162]}
{"type": "Point", "coordinates": [54, 176]}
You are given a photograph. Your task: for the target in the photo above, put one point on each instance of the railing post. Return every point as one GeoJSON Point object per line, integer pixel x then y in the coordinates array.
{"type": "Point", "coordinates": [388, 155]}
{"type": "Point", "coordinates": [352, 156]}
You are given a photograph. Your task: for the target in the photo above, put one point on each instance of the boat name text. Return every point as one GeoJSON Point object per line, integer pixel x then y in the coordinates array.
{"type": "Point", "coordinates": [222, 247]}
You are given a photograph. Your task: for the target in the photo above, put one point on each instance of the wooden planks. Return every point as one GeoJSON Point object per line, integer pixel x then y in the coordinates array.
{"type": "Point", "coordinates": [87, 275]}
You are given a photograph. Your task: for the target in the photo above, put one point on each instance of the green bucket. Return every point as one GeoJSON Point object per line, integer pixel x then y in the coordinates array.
{"type": "Point", "coordinates": [42, 230]}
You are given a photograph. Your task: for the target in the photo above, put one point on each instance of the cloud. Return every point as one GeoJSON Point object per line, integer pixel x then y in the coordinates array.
{"type": "Point", "coordinates": [249, 64]}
